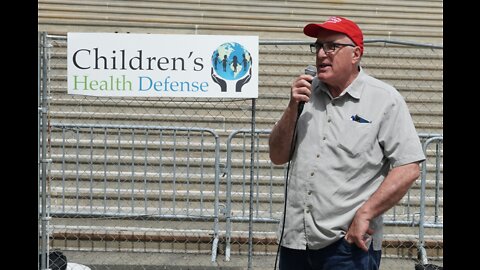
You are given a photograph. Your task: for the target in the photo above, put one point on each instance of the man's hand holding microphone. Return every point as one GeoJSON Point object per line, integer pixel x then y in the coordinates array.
{"type": "Point", "coordinates": [302, 88]}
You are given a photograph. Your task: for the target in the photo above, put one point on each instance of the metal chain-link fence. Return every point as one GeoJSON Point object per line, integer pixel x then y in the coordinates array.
{"type": "Point", "coordinates": [141, 183]}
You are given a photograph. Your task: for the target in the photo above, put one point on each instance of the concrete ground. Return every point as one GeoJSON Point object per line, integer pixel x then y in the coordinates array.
{"type": "Point", "coordinates": [171, 261]}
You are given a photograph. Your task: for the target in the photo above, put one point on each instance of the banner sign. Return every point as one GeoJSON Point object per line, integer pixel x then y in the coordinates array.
{"type": "Point", "coordinates": [154, 65]}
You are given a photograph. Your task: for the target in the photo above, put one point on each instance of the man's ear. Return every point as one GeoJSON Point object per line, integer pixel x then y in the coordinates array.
{"type": "Point", "coordinates": [357, 54]}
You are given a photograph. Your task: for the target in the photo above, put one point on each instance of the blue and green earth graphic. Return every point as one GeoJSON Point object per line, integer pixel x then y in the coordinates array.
{"type": "Point", "coordinates": [231, 61]}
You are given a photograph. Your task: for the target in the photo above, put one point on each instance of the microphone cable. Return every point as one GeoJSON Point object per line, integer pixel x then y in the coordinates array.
{"type": "Point", "coordinates": [292, 150]}
{"type": "Point", "coordinates": [310, 70]}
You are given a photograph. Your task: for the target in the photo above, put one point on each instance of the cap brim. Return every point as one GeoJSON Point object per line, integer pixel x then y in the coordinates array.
{"type": "Point", "coordinates": [313, 29]}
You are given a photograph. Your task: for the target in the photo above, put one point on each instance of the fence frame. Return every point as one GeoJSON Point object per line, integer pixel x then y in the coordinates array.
{"type": "Point", "coordinates": [43, 161]}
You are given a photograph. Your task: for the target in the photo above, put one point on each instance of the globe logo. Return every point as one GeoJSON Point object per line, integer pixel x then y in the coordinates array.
{"type": "Point", "coordinates": [231, 61]}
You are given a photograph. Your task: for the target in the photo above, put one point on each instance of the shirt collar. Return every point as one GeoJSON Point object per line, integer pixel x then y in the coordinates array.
{"type": "Point", "coordinates": [355, 89]}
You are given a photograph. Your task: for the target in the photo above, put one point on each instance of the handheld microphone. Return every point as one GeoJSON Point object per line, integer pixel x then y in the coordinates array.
{"type": "Point", "coordinates": [310, 70]}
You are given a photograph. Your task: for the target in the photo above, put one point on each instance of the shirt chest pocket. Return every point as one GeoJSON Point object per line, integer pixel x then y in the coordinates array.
{"type": "Point", "coordinates": [356, 138]}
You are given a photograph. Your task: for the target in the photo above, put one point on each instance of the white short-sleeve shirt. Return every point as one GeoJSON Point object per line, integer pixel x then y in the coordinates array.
{"type": "Point", "coordinates": [344, 149]}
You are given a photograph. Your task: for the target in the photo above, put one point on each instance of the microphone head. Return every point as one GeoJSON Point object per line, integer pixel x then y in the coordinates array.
{"type": "Point", "coordinates": [311, 70]}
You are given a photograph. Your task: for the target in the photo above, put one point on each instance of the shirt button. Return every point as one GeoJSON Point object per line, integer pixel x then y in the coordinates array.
{"type": "Point", "coordinates": [318, 155]}
{"type": "Point", "coordinates": [324, 138]}
{"type": "Point", "coordinates": [307, 211]}
{"type": "Point", "coordinates": [311, 174]}
{"type": "Point", "coordinates": [309, 192]}
{"type": "Point", "coordinates": [329, 120]}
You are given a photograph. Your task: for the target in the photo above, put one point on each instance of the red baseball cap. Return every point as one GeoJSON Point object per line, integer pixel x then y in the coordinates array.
{"type": "Point", "coordinates": [337, 24]}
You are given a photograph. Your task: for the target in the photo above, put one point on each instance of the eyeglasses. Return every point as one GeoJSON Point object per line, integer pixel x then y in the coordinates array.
{"type": "Point", "coordinates": [328, 47]}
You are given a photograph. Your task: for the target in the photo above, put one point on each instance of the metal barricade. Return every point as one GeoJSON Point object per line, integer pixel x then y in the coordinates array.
{"type": "Point", "coordinates": [268, 197]}
{"type": "Point", "coordinates": [105, 176]}
{"type": "Point", "coordinates": [427, 218]}
{"type": "Point", "coordinates": [268, 186]}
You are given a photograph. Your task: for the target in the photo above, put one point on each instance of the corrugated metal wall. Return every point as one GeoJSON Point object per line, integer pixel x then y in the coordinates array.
{"type": "Point", "coordinates": [410, 20]}
{"type": "Point", "coordinates": [413, 21]}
